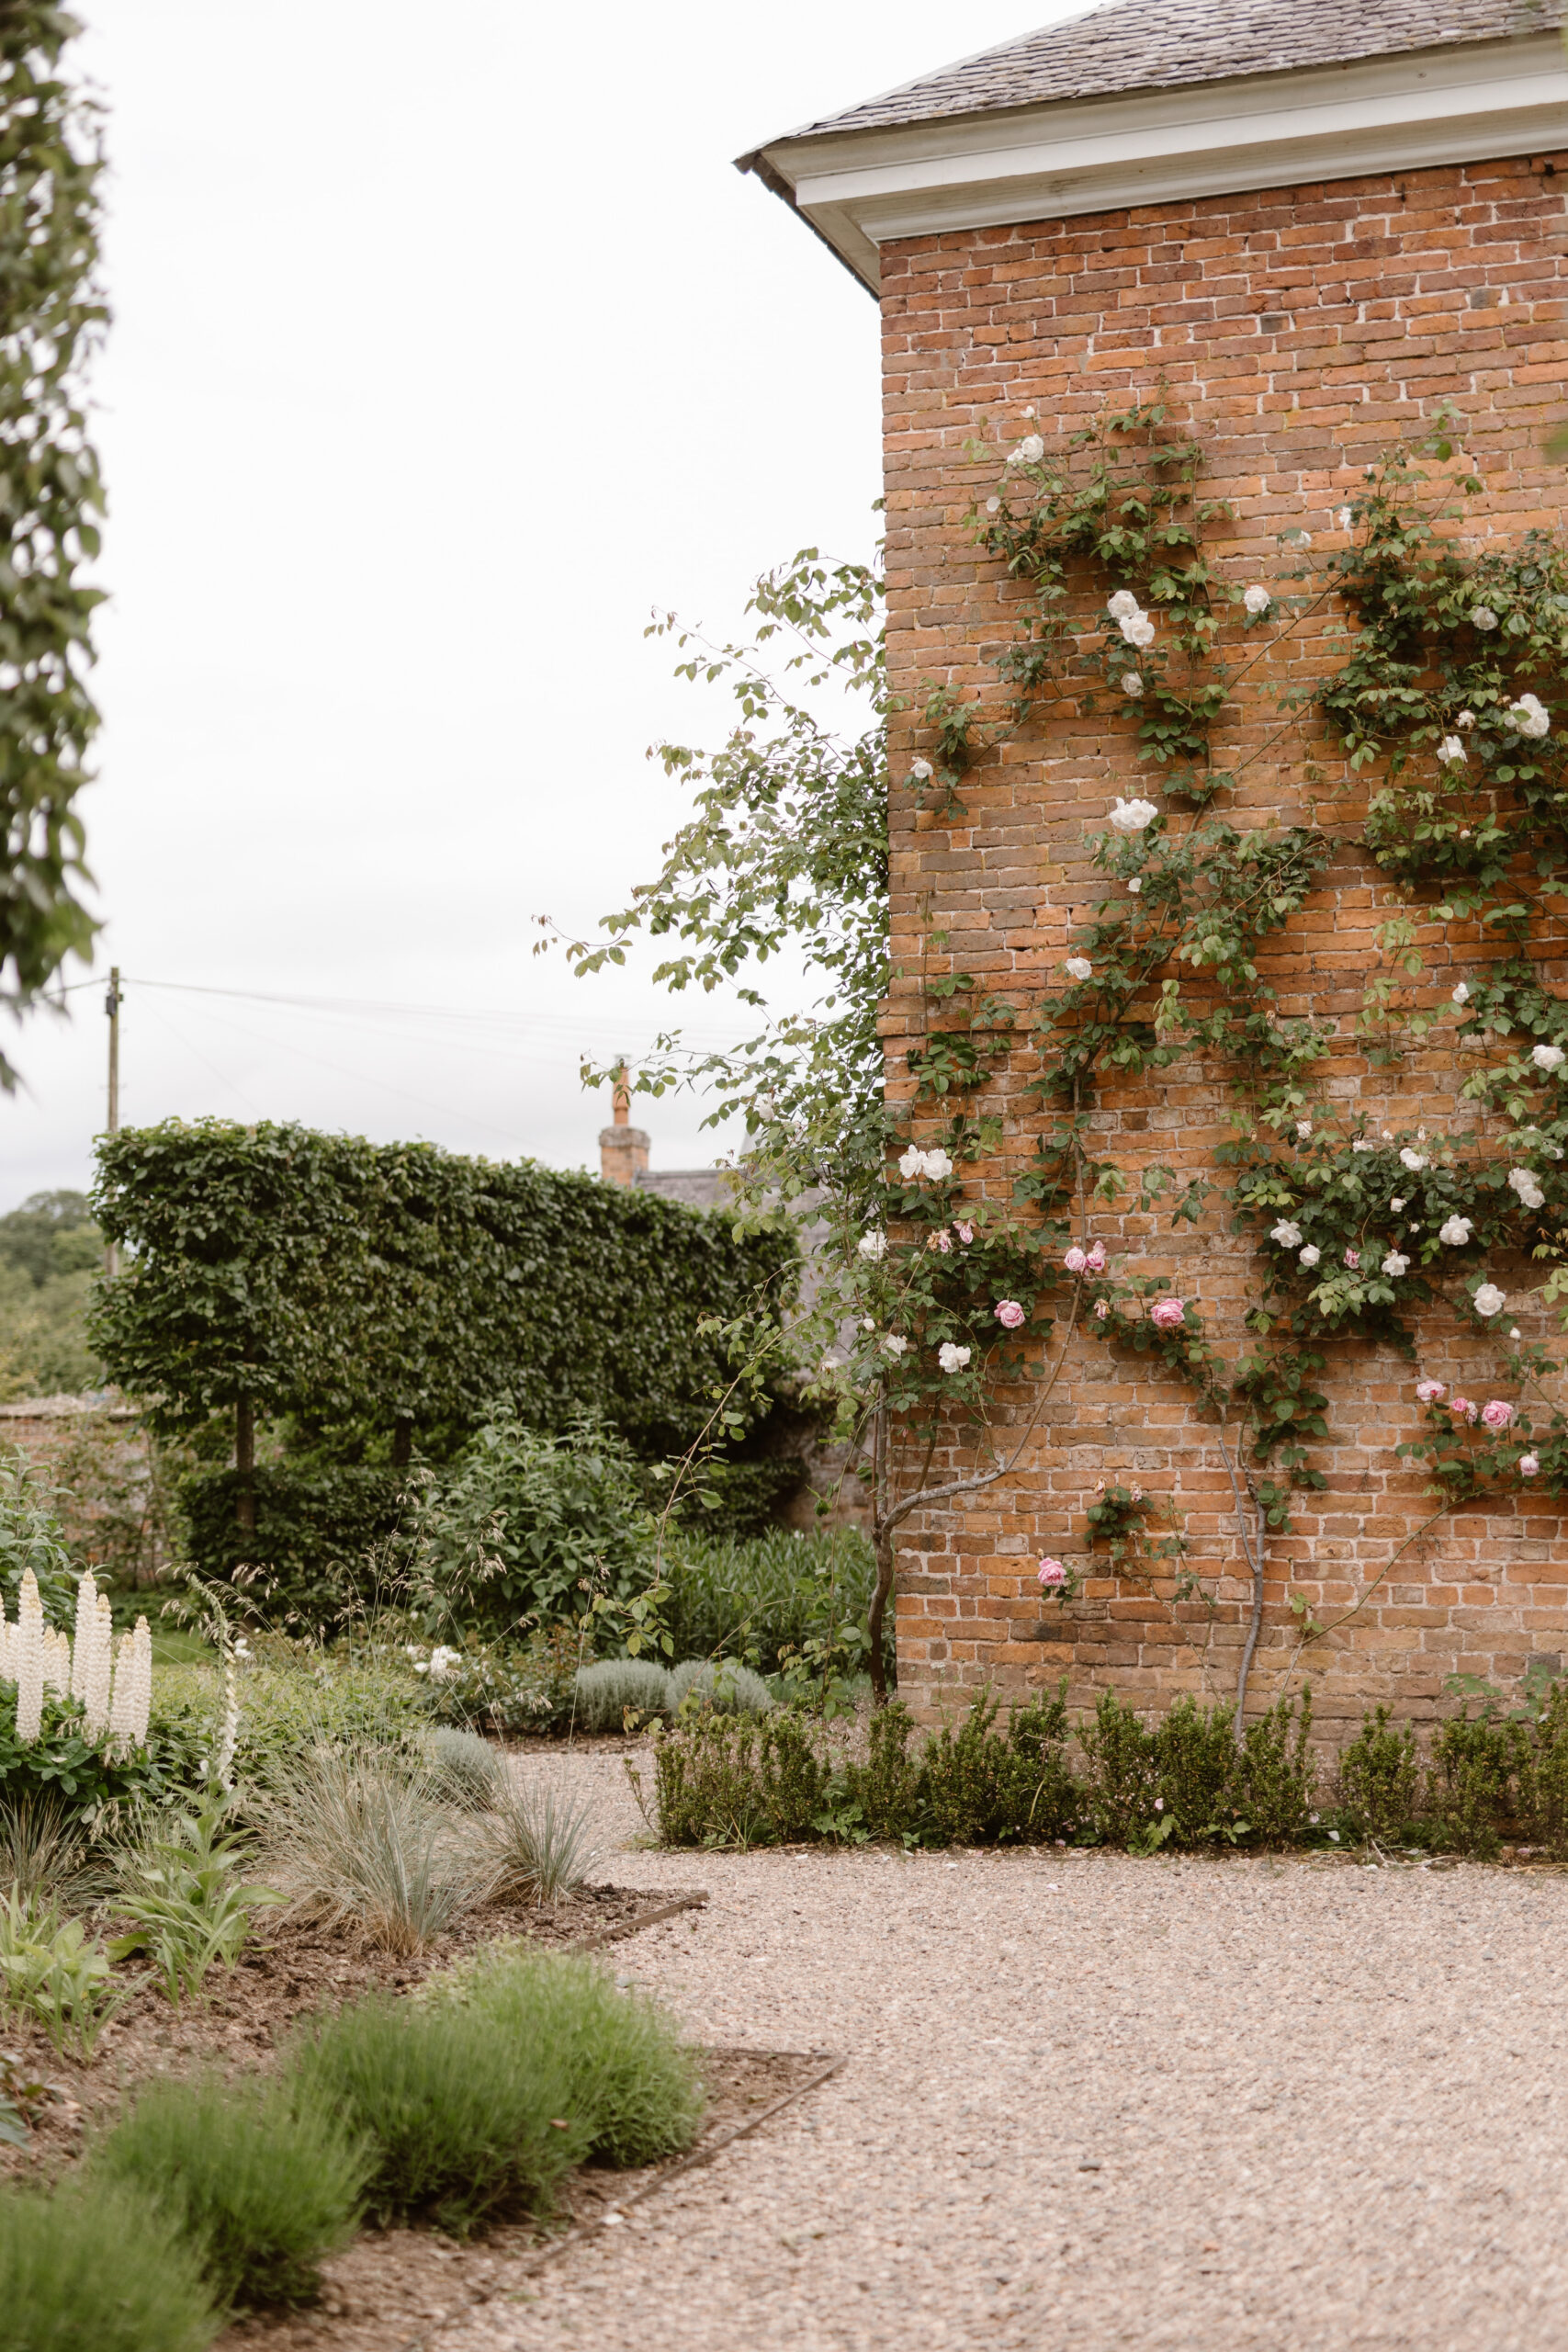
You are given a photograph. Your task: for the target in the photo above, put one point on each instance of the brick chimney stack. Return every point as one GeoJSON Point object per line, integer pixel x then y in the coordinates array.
{"type": "Point", "coordinates": [623, 1148]}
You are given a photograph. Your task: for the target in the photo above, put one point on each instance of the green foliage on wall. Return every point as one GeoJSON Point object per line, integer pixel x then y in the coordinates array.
{"type": "Point", "coordinates": [50, 316]}
{"type": "Point", "coordinates": [353, 1286]}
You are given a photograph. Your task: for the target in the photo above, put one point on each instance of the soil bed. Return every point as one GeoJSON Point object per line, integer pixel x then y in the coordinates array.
{"type": "Point", "coordinates": [291, 1968]}
{"type": "Point", "coordinates": [392, 2288]}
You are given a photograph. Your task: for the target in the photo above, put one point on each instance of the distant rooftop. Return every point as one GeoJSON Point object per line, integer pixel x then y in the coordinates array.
{"type": "Point", "coordinates": [1152, 44]}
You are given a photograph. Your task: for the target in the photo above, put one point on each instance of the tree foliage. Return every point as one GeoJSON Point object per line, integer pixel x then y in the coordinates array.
{"type": "Point", "coordinates": [50, 317]}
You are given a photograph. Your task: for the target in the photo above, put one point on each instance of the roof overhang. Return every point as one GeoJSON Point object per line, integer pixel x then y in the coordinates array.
{"type": "Point", "coordinates": [863, 189]}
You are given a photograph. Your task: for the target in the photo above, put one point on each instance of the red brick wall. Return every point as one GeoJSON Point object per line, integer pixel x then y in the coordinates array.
{"type": "Point", "coordinates": [1301, 331]}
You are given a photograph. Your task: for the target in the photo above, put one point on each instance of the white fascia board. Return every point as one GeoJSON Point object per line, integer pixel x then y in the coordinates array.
{"type": "Point", "coordinates": [861, 189]}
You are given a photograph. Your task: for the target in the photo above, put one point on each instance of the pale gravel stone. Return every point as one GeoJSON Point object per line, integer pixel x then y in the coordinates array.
{"type": "Point", "coordinates": [1350, 2085]}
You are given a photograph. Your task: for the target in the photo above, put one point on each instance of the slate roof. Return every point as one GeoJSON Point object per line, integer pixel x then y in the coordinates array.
{"type": "Point", "coordinates": [1150, 44]}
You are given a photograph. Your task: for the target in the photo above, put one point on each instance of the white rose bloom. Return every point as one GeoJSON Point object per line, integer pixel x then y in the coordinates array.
{"type": "Point", "coordinates": [1465, 719]}
{"type": "Point", "coordinates": [920, 770]}
{"type": "Point", "coordinates": [1396, 1203]}
{"type": "Point", "coordinates": [1414, 1160]}
{"type": "Point", "coordinates": [938, 1165]}
{"type": "Point", "coordinates": [1286, 1234]}
{"type": "Point", "coordinates": [1136, 885]}
{"type": "Point", "coordinates": [1029, 452]}
{"type": "Point", "coordinates": [1130, 683]}
{"type": "Point", "coordinates": [1140, 631]}
{"type": "Point", "coordinates": [950, 1358]}
{"type": "Point", "coordinates": [1257, 600]}
{"type": "Point", "coordinates": [873, 1246]}
{"type": "Point", "coordinates": [1077, 968]}
{"type": "Point", "coordinates": [1362, 1143]}
{"type": "Point", "coordinates": [992, 505]}
{"type": "Point", "coordinates": [1482, 617]}
{"type": "Point", "coordinates": [1395, 1264]}
{"type": "Point", "coordinates": [1523, 1181]}
{"type": "Point", "coordinates": [1452, 752]}
{"type": "Point", "coordinates": [913, 1164]}
{"type": "Point", "coordinates": [1132, 816]}
{"type": "Point", "coordinates": [1124, 606]}
{"type": "Point", "coordinates": [1455, 1231]}
{"type": "Point", "coordinates": [1549, 1058]}
{"type": "Point", "coordinates": [1461, 994]}
{"type": "Point", "coordinates": [1310, 1256]}
{"type": "Point", "coordinates": [1490, 1300]}
{"type": "Point", "coordinates": [1303, 1128]}
{"type": "Point", "coordinates": [1528, 717]}
{"type": "Point", "coordinates": [894, 1346]}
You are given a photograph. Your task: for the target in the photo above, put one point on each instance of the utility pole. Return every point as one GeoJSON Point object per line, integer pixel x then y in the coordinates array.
{"type": "Point", "coordinates": [111, 1006]}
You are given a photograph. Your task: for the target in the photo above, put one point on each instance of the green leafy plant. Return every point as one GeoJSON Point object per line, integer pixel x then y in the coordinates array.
{"type": "Point", "coordinates": [1472, 1783]}
{"type": "Point", "coordinates": [189, 1907]}
{"type": "Point", "coordinates": [257, 2178]}
{"type": "Point", "coordinates": [50, 1970]}
{"type": "Point", "coordinates": [1380, 1779]}
{"type": "Point", "coordinates": [97, 2264]}
{"type": "Point", "coordinates": [976, 1783]}
{"type": "Point", "coordinates": [729, 1781]}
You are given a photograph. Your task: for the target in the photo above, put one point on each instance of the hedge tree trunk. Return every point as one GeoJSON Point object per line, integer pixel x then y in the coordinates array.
{"type": "Point", "coordinates": [245, 1462]}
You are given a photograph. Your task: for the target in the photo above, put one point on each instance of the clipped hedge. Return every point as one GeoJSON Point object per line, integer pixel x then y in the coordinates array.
{"type": "Point", "coordinates": [365, 1288]}
{"type": "Point", "coordinates": [320, 1541]}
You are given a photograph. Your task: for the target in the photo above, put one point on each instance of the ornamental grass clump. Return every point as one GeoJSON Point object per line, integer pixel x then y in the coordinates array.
{"type": "Point", "coordinates": [257, 2176]}
{"type": "Point", "coordinates": [538, 1840]}
{"type": "Point", "coordinates": [349, 1836]}
{"type": "Point", "coordinates": [464, 1769]}
{"type": "Point", "coordinates": [98, 2267]}
{"type": "Point", "coordinates": [461, 2119]}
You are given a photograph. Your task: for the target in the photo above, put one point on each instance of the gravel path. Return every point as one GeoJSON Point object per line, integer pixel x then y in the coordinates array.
{"type": "Point", "coordinates": [1095, 2102]}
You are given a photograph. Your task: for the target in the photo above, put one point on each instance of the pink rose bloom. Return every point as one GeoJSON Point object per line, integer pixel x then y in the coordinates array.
{"type": "Point", "coordinates": [1497, 1415]}
{"type": "Point", "coordinates": [1462, 1410]}
{"type": "Point", "coordinates": [943, 1241]}
{"type": "Point", "coordinates": [1166, 1313]}
{"type": "Point", "coordinates": [1528, 1465]}
{"type": "Point", "coordinates": [1352, 1257]}
{"type": "Point", "coordinates": [966, 1234]}
{"type": "Point", "coordinates": [1102, 1307]}
{"type": "Point", "coordinates": [1010, 1314]}
{"type": "Point", "coordinates": [1095, 1261]}
{"type": "Point", "coordinates": [1053, 1572]}
{"type": "Point", "coordinates": [1430, 1392]}
{"type": "Point", "coordinates": [1076, 1260]}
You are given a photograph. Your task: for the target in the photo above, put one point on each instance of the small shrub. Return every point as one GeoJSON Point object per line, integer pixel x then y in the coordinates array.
{"type": "Point", "coordinates": [720, 1686]}
{"type": "Point", "coordinates": [1276, 1779]}
{"type": "Point", "coordinates": [1470, 1784]}
{"type": "Point", "coordinates": [460, 2120]}
{"type": "Point", "coordinates": [352, 1836]}
{"type": "Point", "coordinates": [538, 1840]}
{"type": "Point", "coordinates": [978, 1784]}
{"type": "Point", "coordinates": [464, 1769]}
{"type": "Point", "coordinates": [256, 2176]}
{"type": "Point", "coordinates": [603, 1694]}
{"type": "Point", "coordinates": [189, 1909]}
{"type": "Point", "coordinates": [1122, 1782]}
{"type": "Point", "coordinates": [727, 1780]}
{"type": "Point", "coordinates": [1380, 1779]}
{"type": "Point", "coordinates": [1544, 1781]}
{"type": "Point", "coordinates": [762, 1598]}
{"type": "Point", "coordinates": [51, 1971]}
{"type": "Point", "coordinates": [508, 1686]}
{"type": "Point", "coordinates": [97, 2268]}
{"type": "Point", "coordinates": [1195, 1757]}
{"type": "Point", "coordinates": [633, 2080]}
{"type": "Point", "coordinates": [887, 1786]}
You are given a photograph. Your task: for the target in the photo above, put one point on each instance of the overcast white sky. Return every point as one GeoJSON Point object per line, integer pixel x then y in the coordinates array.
{"type": "Point", "coordinates": [447, 344]}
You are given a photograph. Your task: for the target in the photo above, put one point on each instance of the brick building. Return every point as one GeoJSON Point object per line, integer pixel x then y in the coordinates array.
{"type": "Point", "coordinates": [1315, 223]}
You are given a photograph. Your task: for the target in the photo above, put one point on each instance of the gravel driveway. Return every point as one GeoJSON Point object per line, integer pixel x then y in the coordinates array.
{"type": "Point", "coordinates": [1092, 2102]}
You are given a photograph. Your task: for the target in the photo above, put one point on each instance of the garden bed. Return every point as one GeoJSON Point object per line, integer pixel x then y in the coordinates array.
{"type": "Point", "coordinates": [290, 1968]}
{"type": "Point", "coordinates": [392, 2288]}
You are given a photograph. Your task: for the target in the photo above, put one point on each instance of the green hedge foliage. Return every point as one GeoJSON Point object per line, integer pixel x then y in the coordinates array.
{"type": "Point", "coordinates": [356, 1286]}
